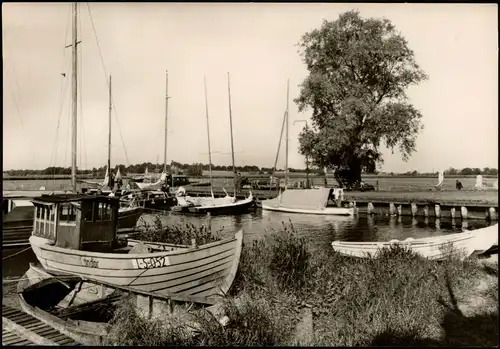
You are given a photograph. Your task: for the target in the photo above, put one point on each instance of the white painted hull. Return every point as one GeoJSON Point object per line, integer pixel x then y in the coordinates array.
{"type": "Point", "coordinates": [464, 244]}
{"type": "Point", "coordinates": [204, 271]}
{"type": "Point", "coordinates": [343, 211]}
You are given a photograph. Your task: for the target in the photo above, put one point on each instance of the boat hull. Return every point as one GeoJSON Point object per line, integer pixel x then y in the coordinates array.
{"type": "Point", "coordinates": [158, 204]}
{"type": "Point", "coordinates": [205, 271]}
{"type": "Point", "coordinates": [463, 244]}
{"type": "Point", "coordinates": [222, 206]}
{"type": "Point", "coordinates": [342, 211]}
{"type": "Point", "coordinates": [128, 217]}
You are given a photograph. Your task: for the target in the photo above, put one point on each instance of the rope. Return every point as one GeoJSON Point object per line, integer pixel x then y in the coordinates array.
{"type": "Point", "coordinates": [53, 156]}
{"type": "Point", "coordinates": [107, 83]}
{"type": "Point", "coordinates": [17, 253]}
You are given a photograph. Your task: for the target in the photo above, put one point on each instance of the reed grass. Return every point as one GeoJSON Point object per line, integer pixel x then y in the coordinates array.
{"type": "Point", "coordinates": [157, 231]}
{"type": "Point", "coordinates": [397, 298]}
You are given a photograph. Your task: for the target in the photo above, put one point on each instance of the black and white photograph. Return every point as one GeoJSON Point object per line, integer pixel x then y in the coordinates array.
{"type": "Point", "coordinates": [250, 174]}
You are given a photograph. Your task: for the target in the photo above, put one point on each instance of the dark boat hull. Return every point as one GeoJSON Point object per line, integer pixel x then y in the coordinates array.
{"type": "Point", "coordinates": [128, 219]}
{"type": "Point", "coordinates": [158, 204]}
{"type": "Point", "coordinates": [218, 210]}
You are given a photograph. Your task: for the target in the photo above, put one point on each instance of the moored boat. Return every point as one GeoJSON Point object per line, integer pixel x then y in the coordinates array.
{"type": "Point", "coordinates": [308, 201]}
{"type": "Point", "coordinates": [77, 235]}
{"type": "Point", "coordinates": [436, 247]}
{"type": "Point", "coordinates": [83, 309]}
{"type": "Point", "coordinates": [214, 206]}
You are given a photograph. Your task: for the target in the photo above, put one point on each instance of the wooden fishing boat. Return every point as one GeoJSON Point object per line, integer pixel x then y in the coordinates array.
{"type": "Point", "coordinates": [81, 240]}
{"type": "Point", "coordinates": [82, 308]}
{"type": "Point", "coordinates": [308, 201]}
{"type": "Point", "coordinates": [436, 247]}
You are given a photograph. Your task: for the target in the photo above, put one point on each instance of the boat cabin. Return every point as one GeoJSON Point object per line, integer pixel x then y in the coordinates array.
{"type": "Point", "coordinates": [79, 222]}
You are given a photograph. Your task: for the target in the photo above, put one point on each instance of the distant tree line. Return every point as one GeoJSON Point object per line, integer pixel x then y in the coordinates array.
{"type": "Point", "coordinates": [197, 169]}
{"type": "Point", "coordinates": [458, 172]}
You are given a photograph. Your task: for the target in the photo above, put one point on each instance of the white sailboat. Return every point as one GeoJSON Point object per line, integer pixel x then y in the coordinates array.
{"type": "Point", "coordinates": [225, 205]}
{"type": "Point", "coordinates": [304, 201]}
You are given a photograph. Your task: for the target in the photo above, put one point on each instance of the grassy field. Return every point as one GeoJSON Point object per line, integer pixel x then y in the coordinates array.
{"type": "Point", "coordinates": [402, 184]}
{"type": "Point", "coordinates": [285, 295]}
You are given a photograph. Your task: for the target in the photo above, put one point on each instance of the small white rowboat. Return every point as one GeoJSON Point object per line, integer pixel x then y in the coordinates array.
{"type": "Point", "coordinates": [438, 247]}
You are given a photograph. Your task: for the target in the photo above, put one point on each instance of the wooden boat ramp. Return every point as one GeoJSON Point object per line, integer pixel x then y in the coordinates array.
{"type": "Point", "coordinates": [20, 328]}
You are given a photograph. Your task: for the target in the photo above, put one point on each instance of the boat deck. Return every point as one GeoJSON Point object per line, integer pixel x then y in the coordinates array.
{"type": "Point", "coordinates": [19, 328]}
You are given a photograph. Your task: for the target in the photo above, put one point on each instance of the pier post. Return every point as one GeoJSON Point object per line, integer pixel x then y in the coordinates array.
{"type": "Point", "coordinates": [453, 222]}
{"type": "Point", "coordinates": [463, 212]}
{"type": "Point", "coordinates": [493, 214]}
{"type": "Point", "coordinates": [392, 209]}
{"type": "Point", "coordinates": [413, 209]}
{"type": "Point", "coordinates": [426, 211]}
{"type": "Point", "coordinates": [414, 222]}
{"type": "Point", "coordinates": [400, 210]}
{"type": "Point", "coordinates": [452, 213]}
{"type": "Point", "coordinates": [438, 224]}
{"type": "Point", "coordinates": [437, 210]}
{"type": "Point", "coordinates": [465, 225]}
{"type": "Point", "coordinates": [209, 221]}
{"type": "Point", "coordinates": [370, 209]}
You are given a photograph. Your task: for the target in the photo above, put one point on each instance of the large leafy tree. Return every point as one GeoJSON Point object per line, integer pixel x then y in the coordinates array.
{"type": "Point", "coordinates": [359, 70]}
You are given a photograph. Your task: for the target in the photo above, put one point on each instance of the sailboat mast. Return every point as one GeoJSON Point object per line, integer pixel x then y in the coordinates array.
{"type": "Point", "coordinates": [286, 146]}
{"type": "Point", "coordinates": [166, 123]}
{"type": "Point", "coordinates": [74, 93]}
{"type": "Point", "coordinates": [231, 127]}
{"type": "Point", "coordinates": [208, 136]}
{"type": "Point", "coordinates": [109, 130]}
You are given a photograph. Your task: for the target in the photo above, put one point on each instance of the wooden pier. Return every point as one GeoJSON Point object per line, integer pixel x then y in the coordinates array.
{"type": "Point", "coordinates": [444, 204]}
{"type": "Point", "coordinates": [19, 328]}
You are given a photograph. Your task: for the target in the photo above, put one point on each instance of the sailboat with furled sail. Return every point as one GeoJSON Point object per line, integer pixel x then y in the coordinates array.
{"type": "Point", "coordinates": [150, 196]}
{"type": "Point", "coordinates": [129, 213]}
{"type": "Point", "coordinates": [305, 201]}
{"type": "Point", "coordinates": [77, 235]}
{"type": "Point", "coordinates": [225, 205]}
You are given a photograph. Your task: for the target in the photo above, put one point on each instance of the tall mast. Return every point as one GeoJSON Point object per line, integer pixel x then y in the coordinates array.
{"type": "Point", "coordinates": [231, 127]}
{"type": "Point", "coordinates": [166, 123]}
{"type": "Point", "coordinates": [74, 93]}
{"type": "Point", "coordinates": [208, 137]}
{"type": "Point", "coordinates": [109, 131]}
{"type": "Point", "coordinates": [286, 147]}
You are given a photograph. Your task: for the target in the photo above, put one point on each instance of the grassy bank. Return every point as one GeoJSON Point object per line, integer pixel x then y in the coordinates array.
{"type": "Point", "coordinates": [284, 294]}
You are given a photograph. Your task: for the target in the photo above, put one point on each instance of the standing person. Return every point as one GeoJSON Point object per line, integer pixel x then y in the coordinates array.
{"type": "Point", "coordinates": [238, 182]}
{"type": "Point", "coordinates": [111, 180]}
{"type": "Point", "coordinates": [458, 185]}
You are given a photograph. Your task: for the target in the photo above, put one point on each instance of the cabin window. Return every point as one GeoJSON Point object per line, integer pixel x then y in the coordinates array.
{"type": "Point", "coordinates": [88, 214]}
{"type": "Point", "coordinates": [45, 221]}
{"type": "Point", "coordinates": [67, 213]}
{"type": "Point", "coordinates": [103, 211]}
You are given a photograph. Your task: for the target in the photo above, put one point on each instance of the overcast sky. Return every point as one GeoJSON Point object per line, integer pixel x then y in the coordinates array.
{"type": "Point", "coordinates": [456, 45]}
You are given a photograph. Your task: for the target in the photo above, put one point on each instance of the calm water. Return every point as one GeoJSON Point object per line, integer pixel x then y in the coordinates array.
{"type": "Point", "coordinates": [320, 231]}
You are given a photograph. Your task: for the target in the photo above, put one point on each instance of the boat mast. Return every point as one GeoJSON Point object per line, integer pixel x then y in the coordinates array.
{"type": "Point", "coordinates": [208, 137]}
{"type": "Point", "coordinates": [109, 134]}
{"type": "Point", "coordinates": [286, 146]}
{"type": "Point", "coordinates": [231, 127]}
{"type": "Point", "coordinates": [166, 123]}
{"type": "Point", "coordinates": [74, 93]}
